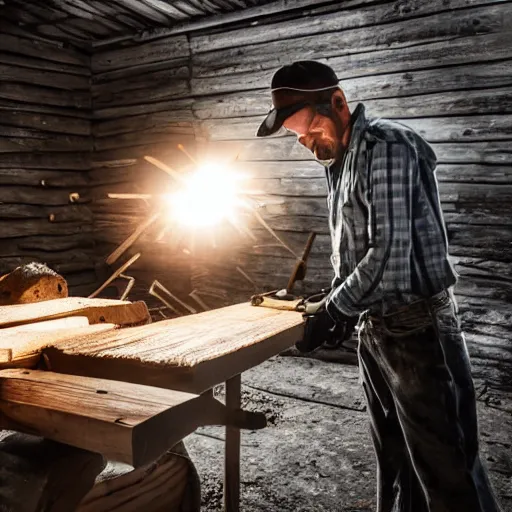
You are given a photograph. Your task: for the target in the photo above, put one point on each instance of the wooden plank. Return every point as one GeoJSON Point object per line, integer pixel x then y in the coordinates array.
{"type": "Point", "coordinates": [174, 119]}
{"type": "Point", "coordinates": [46, 122]}
{"type": "Point", "coordinates": [163, 151]}
{"type": "Point", "coordinates": [43, 178]}
{"type": "Point", "coordinates": [43, 50]}
{"type": "Point", "coordinates": [57, 80]}
{"type": "Point", "coordinates": [46, 96]}
{"type": "Point", "coordinates": [37, 108]}
{"type": "Point", "coordinates": [124, 422]}
{"type": "Point", "coordinates": [189, 353]}
{"type": "Point", "coordinates": [140, 69]}
{"type": "Point", "coordinates": [341, 21]}
{"type": "Point", "coordinates": [96, 310]}
{"type": "Point", "coordinates": [16, 140]}
{"type": "Point", "coordinates": [76, 161]}
{"type": "Point", "coordinates": [40, 64]}
{"type": "Point", "coordinates": [167, 133]}
{"type": "Point", "coordinates": [142, 109]}
{"type": "Point", "coordinates": [154, 51]}
{"type": "Point", "coordinates": [177, 89]}
{"type": "Point", "coordinates": [141, 80]}
{"type": "Point", "coordinates": [24, 341]}
{"type": "Point", "coordinates": [35, 195]}
{"type": "Point", "coordinates": [49, 243]}
{"type": "Point", "coordinates": [68, 213]}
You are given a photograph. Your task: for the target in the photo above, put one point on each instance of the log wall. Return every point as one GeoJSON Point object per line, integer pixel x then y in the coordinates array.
{"type": "Point", "coordinates": [443, 67]}
{"type": "Point", "coordinates": [45, 149]}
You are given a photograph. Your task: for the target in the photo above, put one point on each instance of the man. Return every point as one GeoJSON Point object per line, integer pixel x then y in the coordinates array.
{"type": "Point", "coordinates": [391, 267]}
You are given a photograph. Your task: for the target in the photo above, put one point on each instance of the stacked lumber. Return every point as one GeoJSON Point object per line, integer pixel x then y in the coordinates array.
{"type": "Point", "coordinates": [45, 144]}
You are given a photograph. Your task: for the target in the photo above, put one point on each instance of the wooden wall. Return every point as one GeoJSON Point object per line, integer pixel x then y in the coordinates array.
{"type": "Point", "coordinates": [443, 67]}
{"type": "Point", "coordinates": [138, 111]}
{"type": "Point", "coordinates": [45, 145]}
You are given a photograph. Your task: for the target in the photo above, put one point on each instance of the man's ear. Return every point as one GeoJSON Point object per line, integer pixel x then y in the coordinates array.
{"type": "Point", "coordinates": [338, 100]}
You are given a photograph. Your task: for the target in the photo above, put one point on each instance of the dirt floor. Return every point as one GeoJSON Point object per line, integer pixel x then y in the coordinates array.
{"type": "Point", "coordinates": [316, 455]}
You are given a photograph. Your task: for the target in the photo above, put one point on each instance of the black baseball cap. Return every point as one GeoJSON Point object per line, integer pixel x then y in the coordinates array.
{"type": "Point", "coordinates": [291, 87]}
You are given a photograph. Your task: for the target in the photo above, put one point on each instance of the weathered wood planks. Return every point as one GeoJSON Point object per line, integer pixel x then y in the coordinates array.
{"type": "Point", "coordinates": [190, 353]}
{"type": "Point", "coordinates": [124, 422]}
{"type": "Point", "coordinates": [45, 131]}
{"type": "Point", "coordinates": [96, 310]}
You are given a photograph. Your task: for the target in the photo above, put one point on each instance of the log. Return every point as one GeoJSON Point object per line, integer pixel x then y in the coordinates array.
{"type": "Point", "coordinates": [53, 214]}
{"type": "Point", "coordinates": [165, 483]}
{"type": "Point", "coordinates": [124, 422]}
{"type": "Point", "coordinates": [190, 353]}
{"type": "Point", "coordinates": [39, 474]}
{"type": "Point", "coordinates": [117, 312]}
{"type": "Point", "coordinates": [34, 282]}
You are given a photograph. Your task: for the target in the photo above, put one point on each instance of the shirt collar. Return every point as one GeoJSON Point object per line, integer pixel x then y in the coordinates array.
{"type": "Point", "coordinates": [358, 123]}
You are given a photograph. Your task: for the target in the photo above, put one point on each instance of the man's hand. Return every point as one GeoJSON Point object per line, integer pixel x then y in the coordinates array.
{"type": "Point", "coordinates": [317, 331]}
{"type": "Point", "coordinates": [323, 325]}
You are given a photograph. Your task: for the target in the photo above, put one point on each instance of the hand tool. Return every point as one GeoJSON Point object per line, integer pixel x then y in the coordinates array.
{"type": "Point", "coordinates": [284, 299]}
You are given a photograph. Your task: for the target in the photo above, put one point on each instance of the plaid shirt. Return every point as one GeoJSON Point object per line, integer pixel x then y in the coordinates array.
{"type": "Point", "coordinates": [389, 243]}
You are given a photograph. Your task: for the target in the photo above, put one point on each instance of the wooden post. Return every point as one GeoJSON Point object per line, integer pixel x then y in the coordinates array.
{"type": "Point", "coordinates": [232, 448]}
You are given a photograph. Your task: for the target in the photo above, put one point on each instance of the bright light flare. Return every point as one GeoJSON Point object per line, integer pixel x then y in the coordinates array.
{"type": "Point", "coordinates": [208, 196]}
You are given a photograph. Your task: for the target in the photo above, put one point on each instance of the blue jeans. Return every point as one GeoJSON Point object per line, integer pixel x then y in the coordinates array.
{"type": "Point", "coordinates": [417, 380]}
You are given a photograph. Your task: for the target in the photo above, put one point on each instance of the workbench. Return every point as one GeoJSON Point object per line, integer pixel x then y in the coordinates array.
{"type": "Point", "coordinates": [130, 393]}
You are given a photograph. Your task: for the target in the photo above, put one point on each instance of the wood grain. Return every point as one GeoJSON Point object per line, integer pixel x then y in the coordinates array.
{"type": "Point", "coordinates": [124, 422]}
{"type": "Point", "coordinates": [190, 353]}
{"type": "Point", "coordinates": [96, 310]}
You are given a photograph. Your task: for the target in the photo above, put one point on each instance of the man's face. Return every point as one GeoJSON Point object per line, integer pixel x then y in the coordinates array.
{"type": "Point", "coordinates": [317, 132]}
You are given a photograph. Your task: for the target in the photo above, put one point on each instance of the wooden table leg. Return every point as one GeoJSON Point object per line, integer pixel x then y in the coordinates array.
{"type": "Point", "coordinates": [232, 449]}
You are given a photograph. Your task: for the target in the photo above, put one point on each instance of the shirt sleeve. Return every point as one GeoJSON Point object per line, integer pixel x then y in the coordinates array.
{"type": "Point", "coordinates": [389, 229]}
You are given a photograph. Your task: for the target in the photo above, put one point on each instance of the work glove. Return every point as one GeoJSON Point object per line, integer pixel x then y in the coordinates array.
{"type": "Point", "coordinates": [323, 326]}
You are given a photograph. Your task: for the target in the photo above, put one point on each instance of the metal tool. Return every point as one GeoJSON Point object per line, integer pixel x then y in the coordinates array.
{"type": "Point", "coordinates": [284, 299]}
